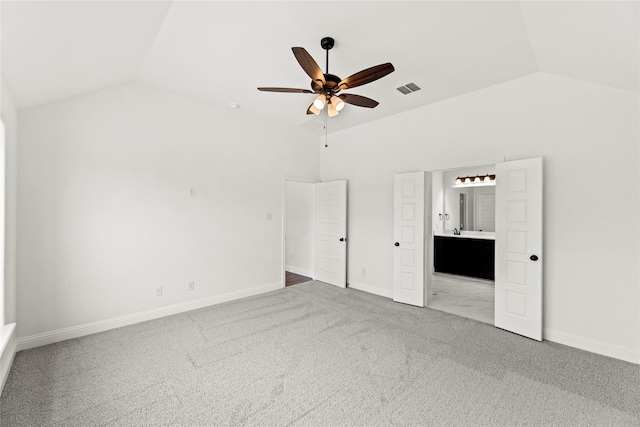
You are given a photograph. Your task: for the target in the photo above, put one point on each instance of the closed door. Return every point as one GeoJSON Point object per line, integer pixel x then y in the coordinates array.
{"type": "Point", "coordinates": [409, 255]}
{"type": "Point", "coordinates": [486, 212]}
{"type": "Point", "coordinates": [331, 232]}
{"type": "Point", "coordinates": [519, 257]}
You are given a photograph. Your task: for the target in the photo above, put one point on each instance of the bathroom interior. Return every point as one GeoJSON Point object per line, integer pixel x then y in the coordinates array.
{"type": "Point", "coordinates": [463, 224]}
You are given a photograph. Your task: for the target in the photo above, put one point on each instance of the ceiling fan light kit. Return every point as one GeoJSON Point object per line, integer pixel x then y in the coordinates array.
{"type": "Point", "coordinates": [327, 86]}
{"type": "Point", "coordinates": [319, 102]}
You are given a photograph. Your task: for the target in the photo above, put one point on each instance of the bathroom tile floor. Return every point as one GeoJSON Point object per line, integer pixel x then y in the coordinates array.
{"type": "Point", "coordinates": [464, 296]}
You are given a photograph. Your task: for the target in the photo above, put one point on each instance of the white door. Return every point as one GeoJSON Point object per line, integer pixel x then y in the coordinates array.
{"type": "Point", "coordinates": [518, 269]}
{"type": "Point", "coordinates": [408, 234]}
{"type": "Point", "coordinates": [486, 212]}
{"type": "Point", "coordinates": [331, 232]}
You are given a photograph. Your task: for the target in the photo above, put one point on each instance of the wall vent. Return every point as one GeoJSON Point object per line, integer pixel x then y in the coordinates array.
{"type": "Point", "coordinates": [409, 88]}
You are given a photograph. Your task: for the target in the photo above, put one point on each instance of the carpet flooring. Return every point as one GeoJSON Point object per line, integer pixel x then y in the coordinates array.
{"type": "Point", "coordinates": [316, 355]}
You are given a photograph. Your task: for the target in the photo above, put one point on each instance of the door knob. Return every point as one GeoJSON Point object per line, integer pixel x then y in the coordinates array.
{"type": "Point", "coordinates": [342, 239]}
{"type": "Point", "coordinates": [397, 244]}
{"type": "Point", "coordinates": [533, 257]}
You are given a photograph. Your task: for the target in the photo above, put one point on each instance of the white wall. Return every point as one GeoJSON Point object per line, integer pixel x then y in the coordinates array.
{"type": "Point", "coordinates": [588, 135]}
{"type": "Point", "coordinates": [300, 220]}
{"type": "Point", "coordinates": [105, 215]}
{"type": "Point", "coordinates": [9, 115]}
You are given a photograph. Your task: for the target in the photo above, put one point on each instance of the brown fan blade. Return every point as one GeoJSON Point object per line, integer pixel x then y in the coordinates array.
{"type": "Point", "coordinates": [360, 101]}
{"type": "Point", "coordinates": [308, 64]}
{"type": "Point", "coordinates": [366, 76]}
{"type": "Point", "coordinates": [284, 89]}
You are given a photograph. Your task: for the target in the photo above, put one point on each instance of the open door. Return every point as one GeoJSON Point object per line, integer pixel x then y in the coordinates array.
{"type": "Point", "coordinates": [331, 232]}
{"type": "Point", "coordinates": [518, 261]}
{"type": "Point", "coordinates": [408, 232]}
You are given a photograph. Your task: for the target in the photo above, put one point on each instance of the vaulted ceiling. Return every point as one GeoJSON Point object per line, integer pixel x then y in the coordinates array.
{"type": "Point", "coordinates": [220, 52]}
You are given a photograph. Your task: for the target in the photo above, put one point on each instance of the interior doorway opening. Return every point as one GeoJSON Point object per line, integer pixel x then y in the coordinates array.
{"type": "Point", "coordinates": [518, 242]}
{"type": "Point", "coordinates": [463, 244]}
{"type": "Point", "coordinates": [314, 230]}
{"type": "Point", "coordinates": [298, 231]}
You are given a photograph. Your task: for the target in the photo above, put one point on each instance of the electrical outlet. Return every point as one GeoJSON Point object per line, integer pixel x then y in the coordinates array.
{"type": "Point", "coordinates": [269, 216]}
{"type": "Point", "coordinates": [364, 271]}
{"type": "Point", "coordinates": [291, 257]}
{"type": "Point", "coordinates": [159, 291]}
{"type": "Point", "coordinates": [192, 191]}
{"type": "Point", "coordinates": [192, 285]}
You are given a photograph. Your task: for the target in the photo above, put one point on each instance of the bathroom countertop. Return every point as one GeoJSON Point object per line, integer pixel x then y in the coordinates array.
{"type": "Point", "coordinates": [485, 235]}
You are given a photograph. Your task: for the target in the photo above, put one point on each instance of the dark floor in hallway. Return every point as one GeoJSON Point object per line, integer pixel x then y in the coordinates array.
{"type": "Point", "coordinates": [294, 279]}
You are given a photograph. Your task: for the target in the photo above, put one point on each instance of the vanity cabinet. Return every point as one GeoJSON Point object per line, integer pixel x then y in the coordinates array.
{"type": "Point", "coordinates": [465, 256]}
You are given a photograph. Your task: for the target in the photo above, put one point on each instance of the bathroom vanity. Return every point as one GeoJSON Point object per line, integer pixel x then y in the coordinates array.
{"type": "Point", "coordinates": [467, 254]}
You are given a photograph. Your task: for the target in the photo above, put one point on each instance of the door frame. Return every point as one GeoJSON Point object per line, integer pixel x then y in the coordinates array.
{"type": "Point", "coordinates": [429, 240]}
{"type": "Point", "coordinates": [283, 238]}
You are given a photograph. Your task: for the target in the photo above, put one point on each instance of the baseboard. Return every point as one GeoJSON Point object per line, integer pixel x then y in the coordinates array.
{"type": "Point", "coordinates": [298, 270]}
{"type": "Point", "coordinates": [7, 351]}
{"type": "Point", "coordinates": [51, 337]}
{"type": "Point", "coordinates": [593, 346]}
{"type": "Point", "coordinates": [387, 293]}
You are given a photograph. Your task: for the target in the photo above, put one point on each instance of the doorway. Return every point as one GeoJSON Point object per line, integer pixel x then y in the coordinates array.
{"type": "Point", "coordinates": [299, 231]}
{"type": "Point", "coordinates": [517, 251]}
{"type": "Point", "coordinates": [314, 231]}
{"type": "Point", "coordinates": [463, 244]}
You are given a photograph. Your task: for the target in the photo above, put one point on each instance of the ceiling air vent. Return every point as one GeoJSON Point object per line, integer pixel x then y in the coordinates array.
{"type": "Point", "coordinates": [409, 88]}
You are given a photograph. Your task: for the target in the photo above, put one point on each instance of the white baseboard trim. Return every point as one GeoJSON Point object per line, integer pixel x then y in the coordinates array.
{"type": "Point", "coordinates": [51, 337]}
{"type": "Point", "coordinates": [7, 351]}
{"type": "Point", "coordinates": [387, 293]}
{"type": "Point", "coordinates": [298, 270]}
{"type": "Point", "coordinates": [593, 346]}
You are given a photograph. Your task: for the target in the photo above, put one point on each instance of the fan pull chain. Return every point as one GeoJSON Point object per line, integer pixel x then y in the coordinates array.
{"type": "Point", "coordinates": [326, 132]}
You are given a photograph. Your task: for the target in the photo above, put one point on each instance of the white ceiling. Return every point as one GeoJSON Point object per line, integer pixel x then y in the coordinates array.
{"type": "Point", "coordinates": [220, 52]}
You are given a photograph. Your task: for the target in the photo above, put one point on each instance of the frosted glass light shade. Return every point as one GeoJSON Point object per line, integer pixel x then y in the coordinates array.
{"type": "Point", "coordinates": [337, 103]}
{"type": "Point", "coordinates": [319, 102]}
{"type": "Point", "coordinates": [332, 110]}
{"type": "Point", "coordinates": [314, 110]}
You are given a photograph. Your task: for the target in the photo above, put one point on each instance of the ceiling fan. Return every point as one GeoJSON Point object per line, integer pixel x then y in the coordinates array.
{"type": "Point", "coordinates": [328, 86]}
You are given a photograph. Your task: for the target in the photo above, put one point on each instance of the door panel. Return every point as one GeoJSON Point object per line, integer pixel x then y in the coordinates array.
{"type": "Point", "coordinates": [486, 212]}
{"type": "Point", "coordinates": [408, 277]}
{"type": "Point", "coordinates": [331, 227]}
{"type": "Point", "coordinates": [518, 267]}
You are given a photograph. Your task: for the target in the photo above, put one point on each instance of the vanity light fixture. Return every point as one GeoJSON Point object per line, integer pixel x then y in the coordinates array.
{"type": "Point", "coordinates": [488, 179]}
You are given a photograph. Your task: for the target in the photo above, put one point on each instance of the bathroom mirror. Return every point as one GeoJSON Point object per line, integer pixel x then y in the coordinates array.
{"type": "Point", "coordinates": [470, 208]}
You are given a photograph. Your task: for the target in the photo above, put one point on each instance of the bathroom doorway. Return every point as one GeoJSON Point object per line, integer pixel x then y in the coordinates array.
{"type": "Point", "coordinates": [463, 244]}
{"type": "Point", "coordinates": [518, 242]}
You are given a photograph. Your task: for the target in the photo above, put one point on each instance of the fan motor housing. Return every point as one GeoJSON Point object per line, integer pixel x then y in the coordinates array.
{"type": "Point", "coordinates": [331, 83]}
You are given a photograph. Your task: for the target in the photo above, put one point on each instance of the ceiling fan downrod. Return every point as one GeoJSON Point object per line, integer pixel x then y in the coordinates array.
{"type": "Point", "coordinates": [327, 44]}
